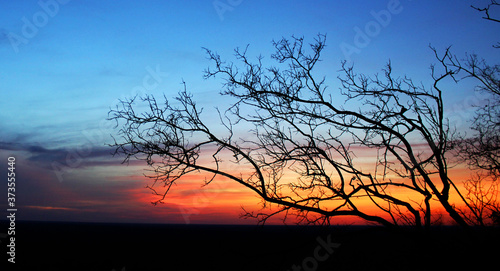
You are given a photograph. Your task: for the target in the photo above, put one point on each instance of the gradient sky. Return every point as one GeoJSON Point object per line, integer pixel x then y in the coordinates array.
{"type": "Point", "coordinates": [63, 64]}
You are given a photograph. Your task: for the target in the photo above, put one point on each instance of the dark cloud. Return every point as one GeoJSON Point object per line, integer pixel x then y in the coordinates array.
{"type": "Point", "coordinates": [88, 193]}
{"type": "Point", "coordinates": [97, 189]}
{"type": "Point", "coordinates": [84, 155]}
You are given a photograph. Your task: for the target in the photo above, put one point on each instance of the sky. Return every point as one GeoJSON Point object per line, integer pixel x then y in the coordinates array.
{"type": "Point", "coordinates": [65, 63]}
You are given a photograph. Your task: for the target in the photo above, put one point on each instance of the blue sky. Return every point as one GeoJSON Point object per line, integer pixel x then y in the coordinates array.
{"type": "Point", "coordinates": [59, 79]}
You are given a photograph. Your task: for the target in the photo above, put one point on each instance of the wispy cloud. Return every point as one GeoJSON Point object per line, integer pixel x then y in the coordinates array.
{"type": "Point", "coordinates": [44, 156]}
{"type": "Point", "coordinates": [104, 190]}
{"type": "Point", "coordinates": [48, 208]}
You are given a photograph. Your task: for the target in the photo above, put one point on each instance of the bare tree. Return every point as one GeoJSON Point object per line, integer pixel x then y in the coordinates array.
{"type": "Point", "coordinates": [484, 149]}
{"type": "Point", "coordinates": [482, 201]}
{"type": "Point", "coordinates": [487, 12]}
{"type": "Point", "coordinates": [481, 150]}
{"type": "Point", "coordinates": [303, 155]}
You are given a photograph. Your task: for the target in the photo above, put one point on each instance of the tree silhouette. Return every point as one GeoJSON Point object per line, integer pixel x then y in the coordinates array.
{"type": "Point", "coordinates": [303, 155]}
{"type": "Point", "coordinates": [481, 151]}
{"type": "Point", "coordinates": [487, 10]}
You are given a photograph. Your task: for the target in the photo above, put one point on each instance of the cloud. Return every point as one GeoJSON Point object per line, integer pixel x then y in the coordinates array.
{"type": "Point", "coordinates": [92, 194]}
{"type": "Point", "coordinates": [44, 157]}
{"type": "Point", "coordinates": [49, 208]}
{"type": "Point", "coordinates": [109, 72]}
{"type": "Point", "coordinates": [101, 189]}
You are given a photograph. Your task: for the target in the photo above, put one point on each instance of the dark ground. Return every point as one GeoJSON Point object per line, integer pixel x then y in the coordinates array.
{"type": "Point", "coordinates": [120, 247]}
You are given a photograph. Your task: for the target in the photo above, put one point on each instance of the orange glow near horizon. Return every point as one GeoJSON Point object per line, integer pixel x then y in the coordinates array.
{"type": "Point", "coordinates": [224, 199]}
{"type": "Point", "coordinates": [120, 194]}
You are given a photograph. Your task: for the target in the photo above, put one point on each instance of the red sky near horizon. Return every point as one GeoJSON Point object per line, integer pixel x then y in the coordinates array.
{"type": "Point", "coordinates": [113, 192]}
